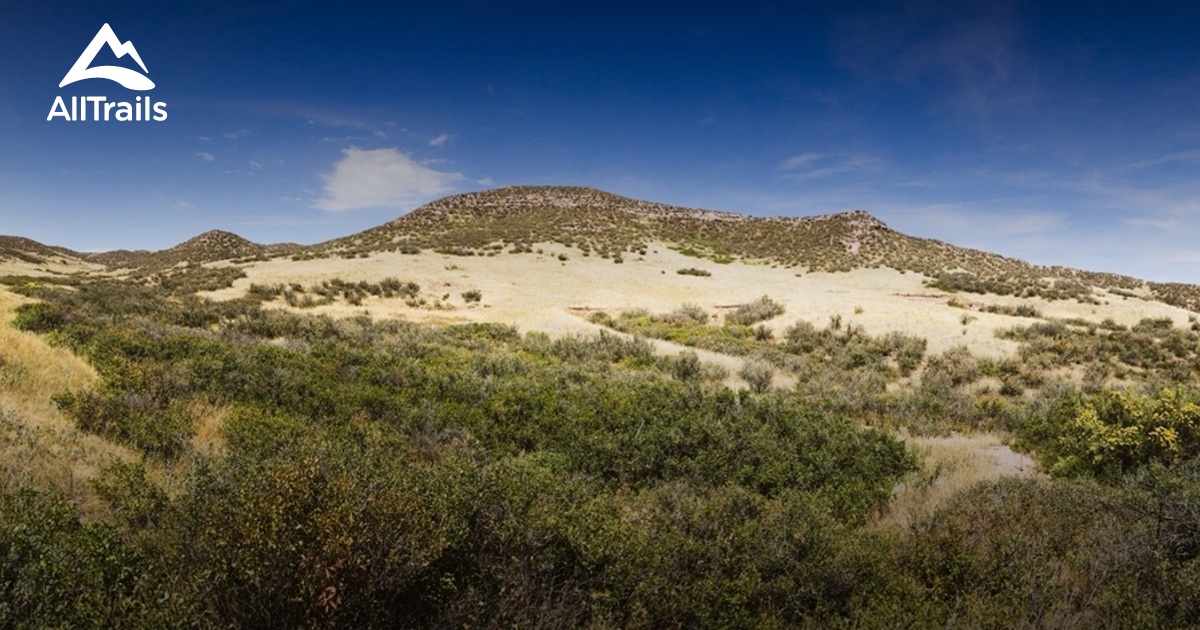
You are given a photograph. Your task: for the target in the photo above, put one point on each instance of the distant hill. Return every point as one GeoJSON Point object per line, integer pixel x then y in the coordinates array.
{"type": "Point", "coordinates": [608, 224]}
{"type": "Point", "coordinates": [19, 248]}
{"type": "Point", "coordinates": [121, 258]}
{"type": "Point", "coordinates": [215, 245]}
{"type": "Point", "coordinates": [211, 246]}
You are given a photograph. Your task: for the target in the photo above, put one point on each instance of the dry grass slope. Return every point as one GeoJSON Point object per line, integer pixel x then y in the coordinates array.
{"type": "Point", "coordinates": [38, 446]}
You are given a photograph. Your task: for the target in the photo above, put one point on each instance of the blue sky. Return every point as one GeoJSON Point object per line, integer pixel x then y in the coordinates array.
{"type": "Point", "coordinates": [1058, 132]}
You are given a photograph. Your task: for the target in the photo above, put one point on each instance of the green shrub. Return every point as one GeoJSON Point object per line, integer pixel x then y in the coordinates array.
{"type": "Point", "coordinates": [758, 374]}
{"type": "Point", "coordinates": [153, 425]}
{"type": "Point", "coordinates": [600, 318]}
{"type": "Point", "coordinates": [385, 473]}
{"type": "Point", "coordinates": [264, 291]}
{"type": "Point", "coordinates": [957, 365]}
{"type": "Point", "coordinates": [686, 366]}
{"type": "Point", "coordinates": [760, 310]}
{"type": "Point", "coordinates": [38, 317]}
{"type": "Point", "coordinates": [686, 315]}
{"type": "Point", "coordinates": [59, 571]}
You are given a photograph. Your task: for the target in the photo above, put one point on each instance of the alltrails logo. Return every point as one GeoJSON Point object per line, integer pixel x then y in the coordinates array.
{"type": "Point", "coordinates": [99, 107]}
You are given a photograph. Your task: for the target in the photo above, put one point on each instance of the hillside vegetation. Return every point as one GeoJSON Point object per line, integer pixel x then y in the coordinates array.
{"type": "Point", "coordinates": [230, 435]}
{"type": "Point", "coordinates": [383, 473]}
{"type": "Point", "coordinates": [211, 246]}
{"type": "Point", "coordinates": [608, 225]}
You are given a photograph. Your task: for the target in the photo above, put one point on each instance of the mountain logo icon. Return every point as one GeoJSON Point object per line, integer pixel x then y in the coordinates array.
{"type": "Point", "coordinates": [129, 78]}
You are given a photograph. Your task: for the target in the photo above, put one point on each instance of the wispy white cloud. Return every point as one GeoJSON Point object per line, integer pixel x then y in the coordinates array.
{"type": "Point", "coordinates": [814, 165]}
{"type": "Point", "coordinates": [381, 178]}
{"type": "Point", "coordinates": [1190, 155]}
{"type": "Point", "coordinates": [799, 161]}
{"type": "Point", "coordinates": [206, 156]}
{"type": "Point", "coordinates": [1173, 210]}
{"type": "Point", "coordinates": [344, 139]}
{"type": "Point", "coordinates": [985, 223]}
{"type": "Point", "coordinates": [439, 140]}
{"type": "Point", "coordinates": [255, 166]}
{"type": "Point", "coordinates": [486, 181]}
{"type": "Point", "coordinates": [236, 135]}
{"type": "Point", "coordinates": [316, 116]}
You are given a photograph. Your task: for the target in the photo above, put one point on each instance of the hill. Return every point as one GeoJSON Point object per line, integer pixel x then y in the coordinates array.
{"type": "Point", "coordinates": [550, 258]}
{"type": "Point", "coordinates": [612, 226]}
{"type": "Point", "coordinates": [214, 245]}
{"type": "Point", "coordinates": [19, 248]}
{"type": "Point", "coordinates": [211, 246]}
{"type": "Point", "coordinates": [20, 256]}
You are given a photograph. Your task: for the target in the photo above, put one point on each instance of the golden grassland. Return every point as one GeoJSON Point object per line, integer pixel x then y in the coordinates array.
{"type": "Point", "coordinates": [539, 291]}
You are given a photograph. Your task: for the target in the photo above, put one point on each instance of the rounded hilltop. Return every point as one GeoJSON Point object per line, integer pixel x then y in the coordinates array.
{"type": "Point", "coordinates": [210, 246]}
{"type": "Point", "coordinates": [511, 198]}
{"type": "Point", "coordinates": [477, 223]}
{"type": "Point", "coordinates": [218, 245]}
{"type": "Point", "coordinates": [215, 245]}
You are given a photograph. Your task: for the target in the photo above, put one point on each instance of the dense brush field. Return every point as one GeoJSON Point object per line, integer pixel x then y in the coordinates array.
{"type": "Point", "coordinates": [275, 469]}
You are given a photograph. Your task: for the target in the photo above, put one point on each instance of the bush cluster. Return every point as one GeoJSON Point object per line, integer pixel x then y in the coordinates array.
{"type": "Point", "coordinates": [193, 278]}
{"type": "Point", "coordinates": [1152, 350]}
{"type": "Point", "coordinates": [759, 310]}
{"type": "Point", "coordinates": [1112, 433]}
{"type": "Point", "coordinates": [1026, 286]}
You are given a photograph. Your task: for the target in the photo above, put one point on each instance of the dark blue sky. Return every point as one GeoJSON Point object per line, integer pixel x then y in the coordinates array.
{"type": "Point", "coordinates": [1060, 132]}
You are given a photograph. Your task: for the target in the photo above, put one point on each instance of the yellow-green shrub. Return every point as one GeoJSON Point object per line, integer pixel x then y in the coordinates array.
{"type": "Point", "coordinates": [1115, 432]}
